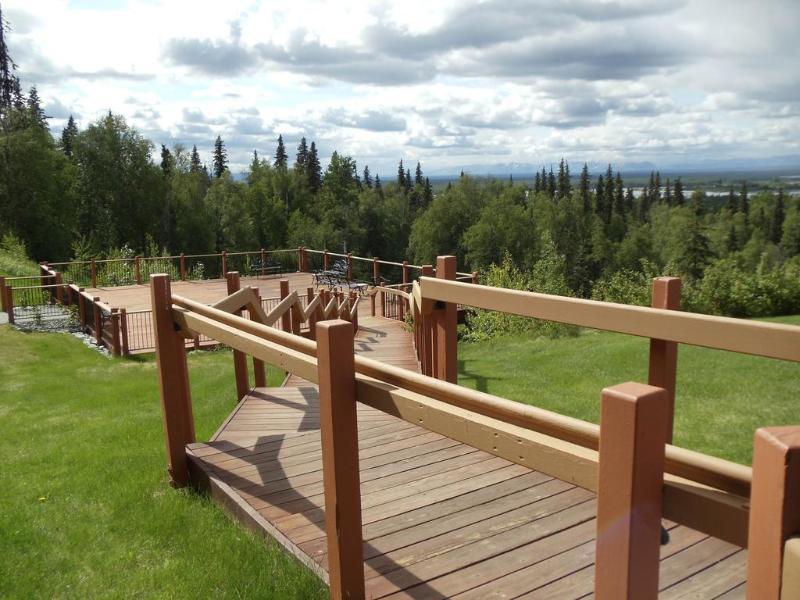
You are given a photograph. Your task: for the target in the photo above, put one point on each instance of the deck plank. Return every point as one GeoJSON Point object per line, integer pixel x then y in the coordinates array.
{"type": "Point", "coordinates": [440, 519]}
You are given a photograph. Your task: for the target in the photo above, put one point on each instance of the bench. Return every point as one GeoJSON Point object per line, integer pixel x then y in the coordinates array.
{"type": "Point", "coordinates": [268, 268]}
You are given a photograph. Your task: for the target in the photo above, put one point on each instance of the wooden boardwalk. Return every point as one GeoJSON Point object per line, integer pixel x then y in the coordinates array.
{"type": "Point", "coordinates": [440, 518]}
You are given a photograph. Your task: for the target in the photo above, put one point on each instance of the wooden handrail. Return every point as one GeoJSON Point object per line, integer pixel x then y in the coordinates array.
{"type": "Point", "coordinates": [707, 470]}
{"type": "Point", "coordinates": [724, 333]}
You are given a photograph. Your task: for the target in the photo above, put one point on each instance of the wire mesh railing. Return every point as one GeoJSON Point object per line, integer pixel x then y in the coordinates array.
{"type": "Point", "coordinates": [37, 307]}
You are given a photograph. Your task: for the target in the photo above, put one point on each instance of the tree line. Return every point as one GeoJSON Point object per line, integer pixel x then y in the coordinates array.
{"type": "Point", "coordinates": [99, 191]}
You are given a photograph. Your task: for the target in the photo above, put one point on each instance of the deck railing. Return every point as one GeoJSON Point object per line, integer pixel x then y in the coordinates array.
{"type": "Point", "coordinates": [627, 460]}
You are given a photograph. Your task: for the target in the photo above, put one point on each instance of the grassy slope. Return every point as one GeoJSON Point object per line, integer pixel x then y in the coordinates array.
{"type": "Point", "coordinates": [86, 509]}
{"type": "Point", "coordinates": [14, 265]}
{"type": "Point", "coordinates": [722, 397]}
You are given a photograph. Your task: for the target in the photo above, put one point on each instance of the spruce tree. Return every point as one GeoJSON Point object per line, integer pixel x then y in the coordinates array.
{"type": "Point", "coordinates": [584, 189]}
{"type": "Point", "coordinates": [680, 199]}
{"type": "Point", "coordinates": [600, 199]}
{"type": "Point", "coordinates": [194, 161]}
{"type": "Point", "coordinates": [551, 183]}
{"type": "Point", "coordinates": [401, 175]}
{"type": "Point", "coordinates": [619, 196]}
{"type": "Point", "coordinates": [744, 201]}
{"type": "Point", "coordinates": [668, 193]}
{"type": "Point", "coordinates": [314, 169]}
{"type": "Point", "coordinates": [8, 81]}
{"type": "Point", "coordinates": [651, 187]}
{"type": "Point", "coordinates": [409, 185]}
{"type": "Point", "coordinates": [36, 116]}
{"type": "Point", "coordinates": [167, 162]}
{"type": "Point", "coordinates": [733, 201]}
{"type": "Point", "coordinates": [778, 217]}
{"type": "Point", "coordinates": [427, 194]}
{"type": "Point", "coordinates": [68, 135]}
{"type": "Point", "coordinates": [281, 158]}
{"type": "Point", "coordinates": [629, 201]}
{"type": "Point", "coordinates": [657, 189]}
{"type": "Point", "coordinates": [301, 158]}
{"type": "Point", "coordinates": [378, 186]}
{"type": "Point", "coordinates": [367, 177]}
{"type": "Point", "coordinates": [220, 158]}
{"type": "Point", "coordinates": [537, 183]}
{"type": "Point", "coordinates": [418, 180]}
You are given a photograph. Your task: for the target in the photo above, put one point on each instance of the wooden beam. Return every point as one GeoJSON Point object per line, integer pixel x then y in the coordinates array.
{"type": "Point", "coordinates": [774, 507]}
{"type": "Point", "coordinates": [339, 436]}
{"type": "Point", "coordinates": [445, 321]}
{"type": "Point", "coordinates": [286, 320]}
{"type": "Point", "coordinates": [259, 367]}
{"type": "Point", "coordinates": [663, 364]}
{"type": "Point", "coordinates": [427, 362]}
{"type": "Point", "coordinates": [633, 432]}
{"type": "Point", "coordinates": [239, 358]}
{"type": "Point", "coordinates": [790, 586]}
{"type": "Point", "coordinates": [173, 381]}
{"type": "Point", "coordinates": [737, 335]}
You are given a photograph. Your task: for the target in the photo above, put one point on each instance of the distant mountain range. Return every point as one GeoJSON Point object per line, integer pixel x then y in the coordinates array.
{"type": "Point", "coordinates": [775, 163]}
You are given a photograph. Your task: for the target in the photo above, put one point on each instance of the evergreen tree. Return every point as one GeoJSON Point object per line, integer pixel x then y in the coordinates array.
{"type": "Point", "coordinates": [314, 169]}
{"type": "Point", "coordinates": [651, 188]}
{"type": "Point", "coordinates": [301, 158]}
{"type": "Point", "coordinates": [778, 216]}
{"type": "Point", "coordinates": [657, 189]}
{"type": "Point", "coordinates": [551, 183]}
{"type": "Point", "coordinates": [629, 201]}
{"type": "Point", "coordinates": [281, 158]}
{"type": "Point", "coordinates": [600, 199]}
{"type": "Point", "coordinates": [644, 206]}
{"type": "Point", "coordinates": [744, 201]}
{"type": "Point", "coordinates": [537, 186]}
{"type": "Point", "coordinates": [668, 193]}
{"type": "Point", "coordinates": [401, 175]}
{"type": "Point", "coordinates": [733, 201]}
{"type": "Point", "coordinates": [563, 186]}
{"type": "Point", "coordinates": [367, 177]}
{"type": "Point", "coordinates": [378, 186]}
{"type": "Point", "coordinates": [619, 196]}
{"type": "Point", "coordinates": [167, 162]}
{"type": "Point", "coordinates": [609, 192]}
{"type": "Point", "coordinates": [409, 185]}
{"type": "Point", "coordinates": [584, 189]}
{"type": "Point", "coordinates": [68, 135]}
{"type": "Point", "coordinates": [680, 199]}
{"type": "Point", "coordinates": [194, 161]}
{"type": "Point", "coordinates": [36, 114]}
{"type": "Point", "coordinates": [220, 158]}
{"type": "Point", "coordinates": [8, 81]}
{"type": "Point", "coordinates": [418, 180]}
{"type": "Point", "coordinates": [427, 194]}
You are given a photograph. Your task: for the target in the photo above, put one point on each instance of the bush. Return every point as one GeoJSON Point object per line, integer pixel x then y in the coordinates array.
{"type": "Point", "coordinates": [627, 286]}
{"type": "Point", "coordinates": [14, 261]}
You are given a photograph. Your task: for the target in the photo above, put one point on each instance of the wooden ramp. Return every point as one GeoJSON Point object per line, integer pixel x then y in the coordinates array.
{"type": "Point", "coordinates": [440, 518]}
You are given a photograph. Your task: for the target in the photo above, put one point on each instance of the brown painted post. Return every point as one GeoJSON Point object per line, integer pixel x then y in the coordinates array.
{"type": "Point", "coordinates": [325, 261]}
{"type": "Point", "coordinates": [401, 314]}
{"type": "Point", "coordinates": [774, 502]}
{"type": "Point", "coordinates": [354, 319]}
{"type": "Point", "coordinates": [259, 368]}
{"type": "Point", "coordinates": [312, 318]}
{"type": "Point", "coordinates": [427, 333]}
{"type": "Point", "coordinates": [173, 379]}
{"type": "Point", "coordinates": [372, 303]}
{"type": "Point", "coordinates": [663, 354]}
{"type": "Point", "coordinates": [82, 308]}
{"type": "Point", "coordinates": [299, 258]}
{"type": "Point", "coordinates": [349, 266]}
{"type": "Point", "coordinates": [633, 432]}
{"type": "Point", "coordinates": [94, 274]}
{"type": "Point", "coordinates": [383, 303]}
{"type": "Point", "coordinates": [239, 358]}
{"type": "Point", "coordinates": [286, 320]}
{"type": "Point", "coordinates": [123, 330]}
{"type": "Point", "coordinates": [2, 293]}
{"type": "Point", "coordinates": [137, 269]}
{"type": "Point", "coordinates": [116, 342]}
{"type": "Point", "coordinates": [474, 278]}
{"type": "Point", "coordinates": [446, 323]}
{"type": "Point", "coordinates": [9, 303]}
{"type": "Point", "coordinates": [59, 289]}
{"type": "Point", "coordinates": [183, 266]}
{"type": "Point", "coordinates": [340, 468]}
{"type": "Point", "coordinates": [98, 321]}
{"type": "Point", "coordinates": [224, 257]}
{"type": "Point", "coordinates": [263, 262]}
{"type": "Point", "coordinates": [376, 270]}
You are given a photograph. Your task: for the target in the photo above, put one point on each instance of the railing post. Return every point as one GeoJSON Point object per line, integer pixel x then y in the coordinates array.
{"type": "Point", "coordinates": [354, 318]}
{"type": "Point", "coordinates": [263, 262]}
{"type": "Point", "coordinates": [372, 303]}
{"type": "Point", "coordinates": [2, 293]}
{"type": "Point", "coordinates": [383, 303]}
{"type": "Point", "coordinates": [774, 513]}
{"type": "Point", "coordinates": [183, 266]}
{"type": "Point", "coordinates": [299, 258]}
{"type": "Point", "coordinates": [426, 333]}
{"type": "Point", "coordinates": [94, 274]}
{"type": "Point", "coordinates": [474, 279]}
{"type": "Point", "coordinates": [239, 358]}
{"type": "Point", "coordinates": [173, 379]}
{"type": "Point", "coordinates": [663, 354]}
{"type": "Point", "coordinates": [633, 431]}
{"type": "Point", "coordinates": [446, 323]}
{"type": "Point", "coordinates": [98, 322]}
{"type": "Point", "coordinates": [9, 303]}
{"type": "Point", "coordinates": [116, 342]}
{"type": "Point", "coordinates": [312, 318]}
{"type": "Point", "coordinates": [82, 309]}
{"type": "Point", "coordinates": [59, 288]}
{"type": "Point", "coordinates": [349, 266]}
{"type": "Point", "coordinates": [376, 271]}
{"type": "Point", "coordinates": [137, 269]}
{"type": "Point", "coordinates": [340, 467]}
{"type": "Point", "coordinates": [224, 257]}
{"type": "Point", "coordinates": [286, 320]}
{"type": "Point", "coordinates": [325, 261]}
{"type": "Point", "coordinates": [259, 368]}
{"type": "Point", "coordinates": [123, 330]}
{"type": "Point", "coordinates": [401, 311]}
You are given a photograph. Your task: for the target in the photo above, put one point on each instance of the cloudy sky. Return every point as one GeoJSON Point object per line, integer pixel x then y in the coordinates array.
{"type": "Point", "coordinates": [448, 83]}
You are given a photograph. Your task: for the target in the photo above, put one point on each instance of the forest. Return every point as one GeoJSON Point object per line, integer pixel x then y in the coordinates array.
{"type": "Point", "coordinates": [107, 191]}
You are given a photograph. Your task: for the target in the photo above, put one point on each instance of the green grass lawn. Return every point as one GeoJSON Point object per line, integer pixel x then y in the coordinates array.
{"type": "Point", "coordinates": [86, 509]}
{"type": "Point", "coordinates": [721, 397]}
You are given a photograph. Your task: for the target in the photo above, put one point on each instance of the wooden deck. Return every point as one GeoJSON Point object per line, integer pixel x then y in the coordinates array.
{"type": "Point", "coordinates": [440, 518]}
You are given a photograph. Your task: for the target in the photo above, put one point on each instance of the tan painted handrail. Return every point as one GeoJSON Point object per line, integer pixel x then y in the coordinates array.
{"type": "Point", "coordinates": [737, 335]}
